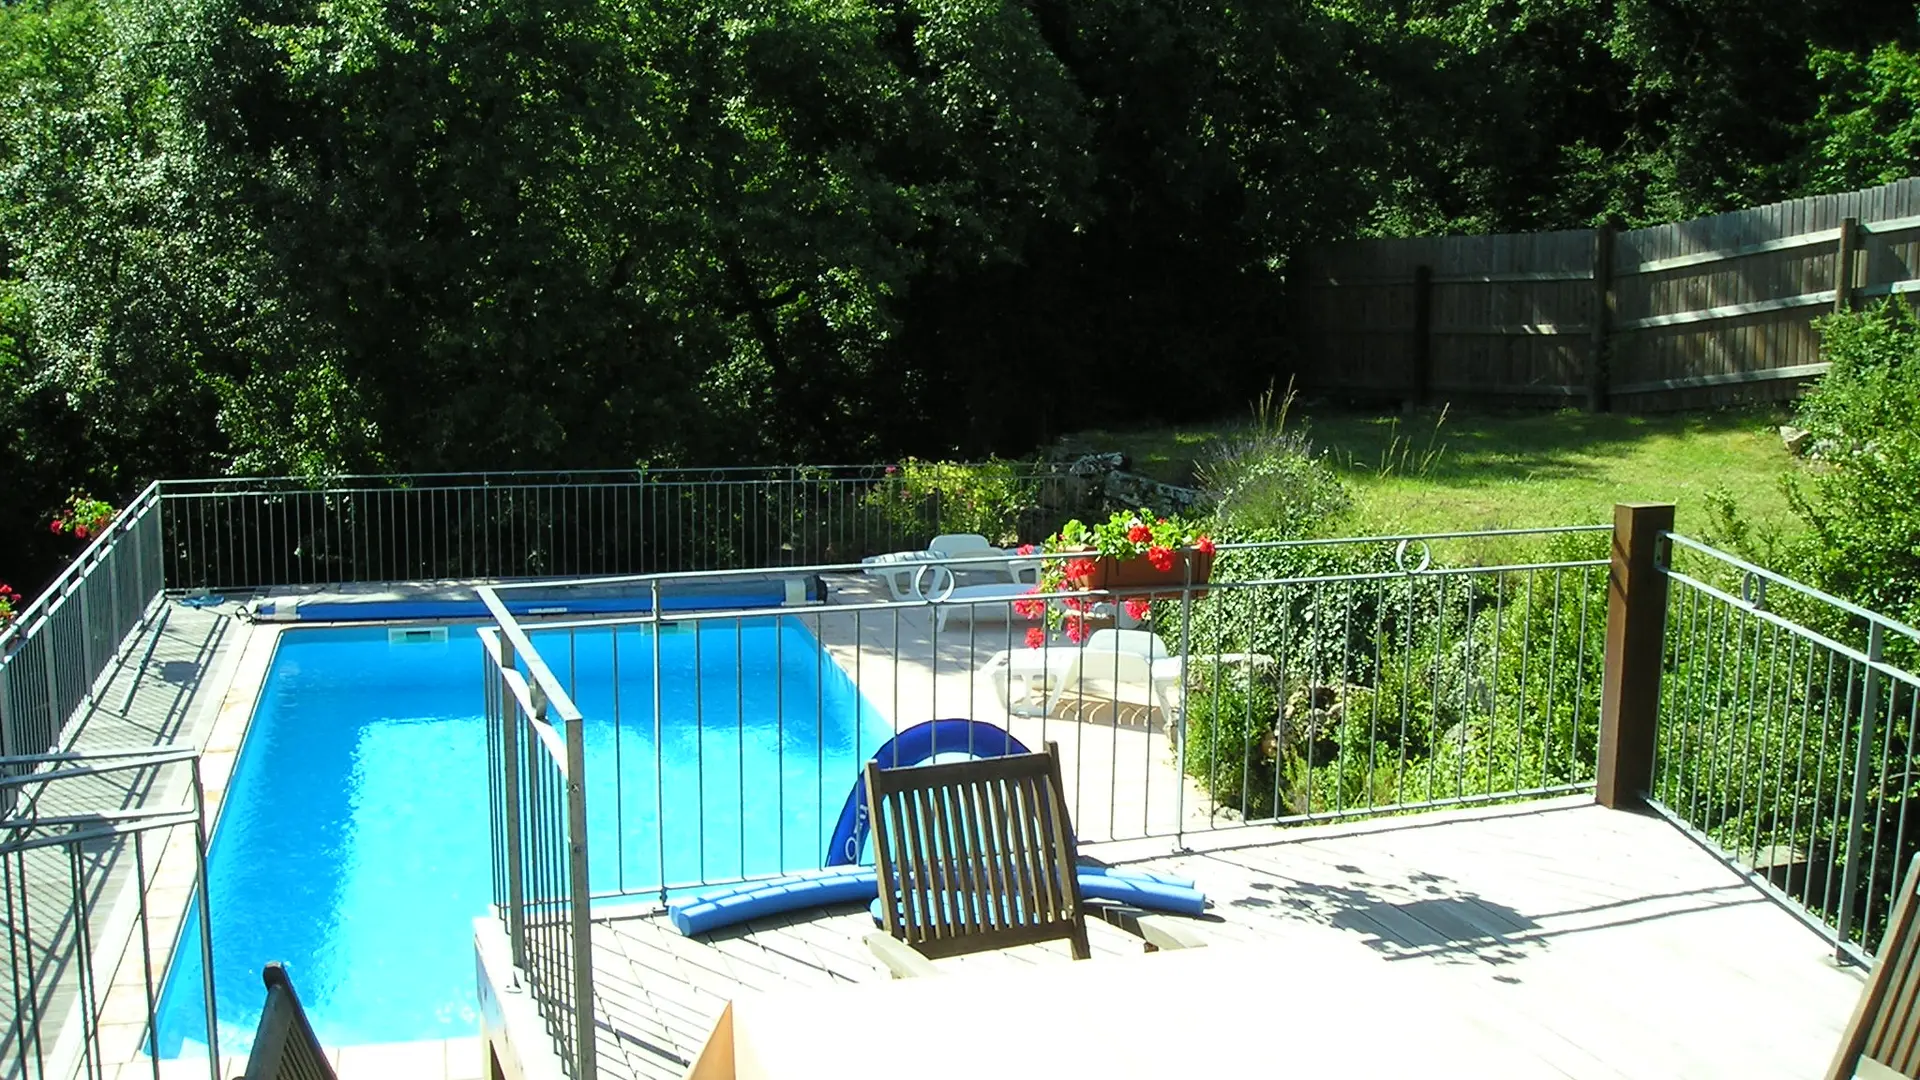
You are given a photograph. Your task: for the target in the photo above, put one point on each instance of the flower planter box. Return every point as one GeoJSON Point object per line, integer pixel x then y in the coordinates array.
{"type": "Point", "coordinates": [1137, 573]}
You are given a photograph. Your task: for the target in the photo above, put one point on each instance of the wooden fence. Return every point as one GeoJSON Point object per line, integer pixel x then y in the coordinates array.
{"type": "Point", "coordinates": [1701, 312]}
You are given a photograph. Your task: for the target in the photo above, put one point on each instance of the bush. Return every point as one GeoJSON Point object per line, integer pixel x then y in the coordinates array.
{"type": "Point", "coordinates": [1269, 480]}
{"type": "Point", "coordinates": [927, 498]}
{"type": "Point", "coordinates": [1865, 415]}
{"type": "Point", "coordinates": [1391, 686]}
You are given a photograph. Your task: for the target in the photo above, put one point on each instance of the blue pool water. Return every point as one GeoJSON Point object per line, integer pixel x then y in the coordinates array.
{"type": "Point", "coordinates": [353, 842]}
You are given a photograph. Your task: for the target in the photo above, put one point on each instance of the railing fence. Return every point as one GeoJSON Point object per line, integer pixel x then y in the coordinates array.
{"type": "Point", "coordinates": [247, 533]}
{"type": "Point", "coordinates": [53, 655]}
{"type": "Point", "coordinates": [537, 797]}
{"type": "Point", "coordinates": [89, 836]}
{"type": "Point", "coordinates": [1786, 738]}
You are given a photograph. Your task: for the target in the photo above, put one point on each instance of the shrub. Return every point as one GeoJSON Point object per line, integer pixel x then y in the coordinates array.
{"type": "Point", "coordinates": [1865, 415]}
{"type": "Point", "coordinates": [1269, 480]}
{"type": "Point", "coordinates": [925, 498]}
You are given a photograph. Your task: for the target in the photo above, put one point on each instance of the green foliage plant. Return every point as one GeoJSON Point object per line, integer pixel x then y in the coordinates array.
{"type": "Point", "coordinates": [1268, 478]}
{"type": "Point", "coordinates": [1864, 415]}
{"type": "Point", "coordinates": [10, 603]}
{"type": "Point", "coordinates": [919, 497]}
{"type": "Point", "coordinates": [83, 517]}
{"type": "Point", "coordinates": [1074, 549]}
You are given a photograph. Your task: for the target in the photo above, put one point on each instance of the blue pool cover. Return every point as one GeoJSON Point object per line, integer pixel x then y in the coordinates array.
{"type": "Point", "coordinates": [464, 603]}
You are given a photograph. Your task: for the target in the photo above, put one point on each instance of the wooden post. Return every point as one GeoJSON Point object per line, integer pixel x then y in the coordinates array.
{"type": "Point", "coordinates": [1843, 266]}
{"type": "Point", "coordinates": [1422, 334]}
{"type": "Point", "coordinates": [1630, 681]}
{"type": "Point", "coordinates": [1602, 318]}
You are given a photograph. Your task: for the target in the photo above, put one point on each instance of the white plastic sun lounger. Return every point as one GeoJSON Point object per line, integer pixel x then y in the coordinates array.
{"type": "Point", "coordinates": [1122, 665]}
{"type": "Point", "coordinates": [931, 570]}
{"type": "Point", "coordinates": [975, 603]}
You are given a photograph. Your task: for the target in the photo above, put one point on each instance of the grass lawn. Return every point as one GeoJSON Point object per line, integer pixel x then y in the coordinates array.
{"type": "Point", "coordinates": [1428, 473]}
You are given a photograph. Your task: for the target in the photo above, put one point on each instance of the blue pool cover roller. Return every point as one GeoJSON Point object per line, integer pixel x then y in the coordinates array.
{"type": "Point", "coordinates": [845, 881]}
{"type": "Point", "coordinates": [732, 904]}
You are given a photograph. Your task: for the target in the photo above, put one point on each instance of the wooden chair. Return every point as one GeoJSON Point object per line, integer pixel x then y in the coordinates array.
{"type": "Point", "coordinates": [284, 1046]}
{"type": "Point", "coordinates": [1882, 1041]}
{"type": "Point", "coordinates": [978, 855]}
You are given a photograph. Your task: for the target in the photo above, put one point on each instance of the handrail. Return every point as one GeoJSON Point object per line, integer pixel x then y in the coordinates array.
{"type": "Point", "coordinates": [28, 622]}
{"type": "Point", "coordinates": [1762, 573]}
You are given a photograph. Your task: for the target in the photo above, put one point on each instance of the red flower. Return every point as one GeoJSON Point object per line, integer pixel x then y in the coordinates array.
{"type": "Point", "coordinates": [1137, 608]}
{"type": "Point", "coordinates": [80, 531]}
{"type": "Point", "coordinates": [1204, 545]}
{"type": "Point", "coordinates": [58, 526]}
{"type": "Point", "coordinates": [1076, 629]}
{"type": "Point", "coordinates": [1139, 534]}
{"type": "Point", "coordinates": [1024, 549]}
{"type": "Point", "coordinates": [1029, 609]}
{"type": "Point", "coordinates": [1036, 637]}
{"type": "Point", "coordinates": [1079, 568]}
{"type": "Point", "coordinates": [1160, 557]}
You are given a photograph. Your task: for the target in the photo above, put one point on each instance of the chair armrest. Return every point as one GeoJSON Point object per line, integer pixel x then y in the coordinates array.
{"type": "Point", "coordinates": [1158, 931]}
{"type": "Point", "coordinates": [902, 959]}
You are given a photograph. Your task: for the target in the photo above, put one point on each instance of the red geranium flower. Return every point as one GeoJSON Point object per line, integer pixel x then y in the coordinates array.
{"type": "Point", "coordinates": [1139, 534]}
{"type": "Point", "coordinates": [1024, 549]}
{"type": "Point", "coordinates": [1079, 568]}
{"type": "Point", "coordinates": [1137, 608]}
{"type": "Point", "coordinates": [1029, 609]}
{"type": "Point", "coordinates": [1076, 628]}
{"type": "Point", "coordinates": [1160, 557]}
{"type": "Point", "coordinates": [80, 531]}
{"type": "Point", "coordinates": [1036, 637]}
{"type": "Point", "coordinates": [58, 526]}
{"type": "Point", "coordinates": [1204, 545]}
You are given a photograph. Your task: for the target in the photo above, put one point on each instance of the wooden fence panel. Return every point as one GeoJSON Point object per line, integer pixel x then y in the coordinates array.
{"type": "Point", "coordinates": [1702, 312]}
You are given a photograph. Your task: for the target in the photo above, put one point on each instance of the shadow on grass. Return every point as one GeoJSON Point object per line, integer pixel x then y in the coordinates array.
{"type": "Point", "coordinates": [1470, 445]}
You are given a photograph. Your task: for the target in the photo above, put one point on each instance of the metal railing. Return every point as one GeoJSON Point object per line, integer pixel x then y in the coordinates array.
{"type": "Point", "coordinates": [53, 654]}
{"type": "Point", "coordinates": [1786, 736]}
{"type": "Point", "coordinates": [1308, 681]}
{"type": "Point", "coordinates": [91, 840]}
{"type": "Point", "coordinates": [539, 834]}
{"type": "Point", "coordinates": [252, 532]}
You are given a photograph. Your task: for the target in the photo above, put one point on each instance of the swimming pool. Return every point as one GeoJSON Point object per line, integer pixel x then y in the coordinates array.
{"type": "Point", "coordinates": [353, 841]}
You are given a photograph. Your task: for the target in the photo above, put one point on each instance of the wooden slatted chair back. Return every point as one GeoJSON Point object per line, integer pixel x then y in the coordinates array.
{"type": "Point", "coordinates": [284, 1046]}
{"type": "Point", "coordinates": [1883, 1038]}
{"type": "Point", "coordinates": [976, 855]}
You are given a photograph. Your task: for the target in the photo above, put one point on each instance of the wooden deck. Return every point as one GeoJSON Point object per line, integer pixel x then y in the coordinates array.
{"type": "Point", "coordinates": [1609, 944]}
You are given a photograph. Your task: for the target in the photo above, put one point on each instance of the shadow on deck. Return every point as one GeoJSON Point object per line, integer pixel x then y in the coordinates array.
{"type": "Point", "coordinates": [1608, 943]}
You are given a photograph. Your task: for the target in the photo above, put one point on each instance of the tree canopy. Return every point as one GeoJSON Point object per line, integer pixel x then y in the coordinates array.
{"type": "Point", "coordinates": [310, 237]}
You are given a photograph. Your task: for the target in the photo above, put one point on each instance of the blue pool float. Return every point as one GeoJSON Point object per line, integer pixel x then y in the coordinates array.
{"type": "Point", "coordinates": [917, 744]}
{"type": "Point", "coordinates": [845, 881]}
{"type": "Point", "coordinates": [851, 884]}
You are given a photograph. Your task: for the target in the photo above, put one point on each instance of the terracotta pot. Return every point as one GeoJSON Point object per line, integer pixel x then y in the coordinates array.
{"type": "Point", "coordinates": [1138, 573]}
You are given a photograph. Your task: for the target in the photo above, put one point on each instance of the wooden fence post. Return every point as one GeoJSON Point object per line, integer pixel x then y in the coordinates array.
{"type": "Point", "coordinates": [1602, 318]}
{"type": "Point", "coordinates": [1843, 266]}
{"type": "Point", "coordinates": [1422, 334]}
{"type": "Point", "coordinates": [1630, 680]}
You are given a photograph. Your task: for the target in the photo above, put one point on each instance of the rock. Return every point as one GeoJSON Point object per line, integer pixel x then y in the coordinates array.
{"type": "Point", "coordinates": [1125, 490]}
{"type": "Point", "coordinates": [1096, 464]}
{"type": "Point", "coordinates": [1796, 439]}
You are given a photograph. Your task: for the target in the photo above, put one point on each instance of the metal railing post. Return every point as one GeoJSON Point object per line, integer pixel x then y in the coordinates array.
{"type": "Point", "coordinates": [1857, 808]}
{"type": "Point", "coordinates": [1630, 680]}
{"type": "Point", "coordinates": [580, 899]}
{"type": "Point", "coordinates": [510, 785]}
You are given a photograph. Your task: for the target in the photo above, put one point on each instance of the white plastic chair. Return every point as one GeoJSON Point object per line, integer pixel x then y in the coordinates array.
{"type": "Point", "coordinates": [1130, 666]}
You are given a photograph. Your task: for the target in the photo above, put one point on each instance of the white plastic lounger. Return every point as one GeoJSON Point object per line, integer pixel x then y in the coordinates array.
{"type": "Point", "coordinates": [1027, 680]}
{"type": "Point", "coordinates": [973, 602]}
{"type": "Point", "coordinates": [899, 569]}
{"type": "Point", "coordinates": [1122, 665]}
{"type": "Point", "coordinates": [967, 552]}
